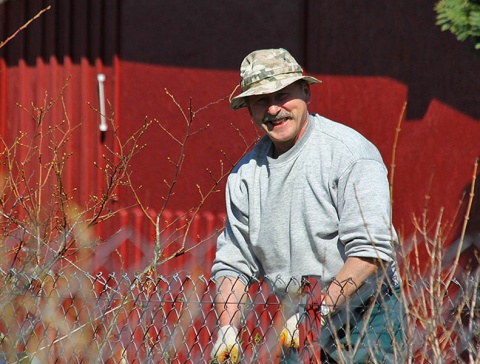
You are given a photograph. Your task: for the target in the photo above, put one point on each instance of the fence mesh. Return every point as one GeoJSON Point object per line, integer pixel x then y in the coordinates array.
{"type": "Point", "coordinates": [75, 318]}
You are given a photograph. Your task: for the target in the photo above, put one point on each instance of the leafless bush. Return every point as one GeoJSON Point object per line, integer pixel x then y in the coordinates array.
{"type": "Point", "coordinates": [47, 233]}
{"type": "Point", "coordinates": [441, 291]}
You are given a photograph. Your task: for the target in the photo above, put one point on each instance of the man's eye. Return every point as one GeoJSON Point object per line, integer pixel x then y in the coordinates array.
{"type": "Point", "coordinates": [261, 101]}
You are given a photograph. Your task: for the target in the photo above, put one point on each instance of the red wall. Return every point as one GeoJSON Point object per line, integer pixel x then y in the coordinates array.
{"type": "Point", "coordinates": [434, 157]}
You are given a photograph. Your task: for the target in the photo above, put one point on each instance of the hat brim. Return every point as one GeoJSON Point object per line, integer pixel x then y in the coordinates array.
{"type": "Point", "coordinates": [239, 101]}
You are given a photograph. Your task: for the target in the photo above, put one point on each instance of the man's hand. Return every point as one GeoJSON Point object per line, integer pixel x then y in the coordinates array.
{"type": "Point", "coordinates": [227, 348]}
{"type": "Point", "coordinates": [289, 337]}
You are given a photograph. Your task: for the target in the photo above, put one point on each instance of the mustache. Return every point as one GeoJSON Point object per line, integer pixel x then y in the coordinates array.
{"type": "Point", "coordinates": [281, 115]}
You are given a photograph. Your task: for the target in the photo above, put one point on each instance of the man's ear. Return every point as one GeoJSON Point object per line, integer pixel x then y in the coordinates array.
{"type": "Point", "coordinates": [306, 90]}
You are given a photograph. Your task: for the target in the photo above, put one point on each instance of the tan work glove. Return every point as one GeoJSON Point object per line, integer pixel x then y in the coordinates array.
{"type": "Point", "coordinates": [227, 348]}
{"type": "Point", "coordinates": [289, 336]}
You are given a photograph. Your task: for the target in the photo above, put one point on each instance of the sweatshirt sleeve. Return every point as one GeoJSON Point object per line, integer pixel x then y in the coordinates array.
{"type": "Point", "coordinates": [233, 256]}
{"type": "Point", "coordinates": [364, 209]}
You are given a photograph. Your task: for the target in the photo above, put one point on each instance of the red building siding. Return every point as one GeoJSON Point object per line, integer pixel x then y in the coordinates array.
{"type": "Point", "coordinates": [150, 51]}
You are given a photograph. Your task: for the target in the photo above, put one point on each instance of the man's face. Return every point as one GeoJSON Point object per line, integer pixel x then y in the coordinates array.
{"type": "Point", "coordinates": [282, 115]}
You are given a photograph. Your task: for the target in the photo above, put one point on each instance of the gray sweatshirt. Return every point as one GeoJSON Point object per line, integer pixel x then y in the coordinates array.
{"type": "Point", "coordinates": [306, 211]}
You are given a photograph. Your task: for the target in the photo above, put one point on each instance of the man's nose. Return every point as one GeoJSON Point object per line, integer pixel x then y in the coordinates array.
{"type": "Point", "coordinates": [273, 108]}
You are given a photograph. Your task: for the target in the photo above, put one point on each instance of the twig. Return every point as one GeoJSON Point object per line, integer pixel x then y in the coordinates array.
{"type": "Point", "coordinates": [465, 223]}
{"type": "Point", "coordinates": [24, 26]}
{"type": "Point", "coordinates": [394, 149]}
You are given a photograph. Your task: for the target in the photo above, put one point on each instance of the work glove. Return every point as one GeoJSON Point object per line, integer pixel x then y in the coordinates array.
{"type": "Point", "coordinates": [289, 336]}
{"type": "Point", "coordinates": [227, 348]}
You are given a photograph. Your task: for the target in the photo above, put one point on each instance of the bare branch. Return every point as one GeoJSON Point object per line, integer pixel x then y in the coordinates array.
{"type": "Point", "coordinates": [24, 26]}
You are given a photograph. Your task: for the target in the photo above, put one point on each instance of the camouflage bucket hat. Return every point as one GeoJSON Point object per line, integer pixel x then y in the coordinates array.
{"type": "Point", "coordinates": [266, 71]}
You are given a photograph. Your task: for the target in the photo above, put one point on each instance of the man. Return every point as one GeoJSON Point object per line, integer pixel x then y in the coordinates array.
{"type": "Point", "coordinates": [311, 199]}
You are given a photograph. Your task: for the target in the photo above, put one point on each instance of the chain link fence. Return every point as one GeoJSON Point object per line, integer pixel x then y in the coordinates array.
{"type": "Point", "coordinates": [71, 317]}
